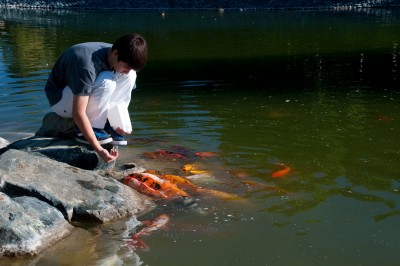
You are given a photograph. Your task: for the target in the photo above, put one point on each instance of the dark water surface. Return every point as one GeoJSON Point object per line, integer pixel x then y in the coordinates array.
{"type": "Point", "coordinates": [317, 91]}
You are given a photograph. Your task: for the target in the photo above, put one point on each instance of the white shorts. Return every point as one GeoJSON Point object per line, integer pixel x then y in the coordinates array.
{"type": "Point", "coordinates": [109, 90]}
{"type": "Point", "coordinates": [64, 106]}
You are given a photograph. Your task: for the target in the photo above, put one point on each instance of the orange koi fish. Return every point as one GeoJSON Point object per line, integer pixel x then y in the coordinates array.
{"type": "Point", "coordinates": [206, 154]}
{"type": "Point", "coordinates": [175, 179]}
{"type": "Point", "coordinates": [153, 185]}
{"type": "Point", "coordinates": [190, 168]}
{"type": "Point", "coordinates": [163, 154]}
{"type": "Point", "coordinates": [160, 222]}
{"type": "Point", "coordinates": [171, 155]}
{"type": "Point", "coordinates": [153, 172]}
{"type": "Point", "coordinates": [281, 172]}
{"type": "Point", "coordinates": [220, 194]}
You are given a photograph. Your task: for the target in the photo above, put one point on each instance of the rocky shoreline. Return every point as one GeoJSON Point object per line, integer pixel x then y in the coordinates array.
{"type": "Point", "coordinates": [198, 4]}
{"type": "Point", "coordinates": [48, 182]}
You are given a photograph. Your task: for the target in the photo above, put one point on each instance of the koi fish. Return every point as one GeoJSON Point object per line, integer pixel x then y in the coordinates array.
{"type": "Point", "coordinates": [160, 222]}
{"type": "Point", "coordinates": [220, 194]}
{"type": "Point", "coordinates": [153, 185]}
{"type": "Point", "coordinates": [164, 154]}
{"type": "Point", "coordinates": [201, 177]}
{"type": "Point", "coordinates": [136, 181]}
{"type": "Point", "coordinates": [206, 154]}
{"type": "Point", "coordinates": [281, 172]}
{"type": "Point", "coordinates": [384, 118]}
{"type": "Point", "coordinates": [171, 154]}
{"type": "Point", "coordinates": [151, 171]}
{"type": "Point", "coordinates": [179, 152]}
{"type": "Point", "coordinates": [175, 179]}
{"type": "Point", "coordinates": [238, 173]}
{"type": "Point", "coordinates": [190, 168]}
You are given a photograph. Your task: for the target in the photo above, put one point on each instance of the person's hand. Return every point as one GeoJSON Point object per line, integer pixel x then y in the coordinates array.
{"type": "Point", "coordinates": [108, 156]}
{"type": "Point", "coordinates": [121, 132]}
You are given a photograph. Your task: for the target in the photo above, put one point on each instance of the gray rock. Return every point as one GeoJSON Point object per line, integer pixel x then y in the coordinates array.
{"type": "Point", "coordinates": [80, 195]}
{"type": "Point", "coordinates": [62, 150]}
{"type": "Point", "coordinates": [54, 125]}
{"type": "Point", "coordinates": [28, 226]}
{"type": "Point", "coordinates": [46, 189]}
{"type": "Point", "coordinates": [56, 140]}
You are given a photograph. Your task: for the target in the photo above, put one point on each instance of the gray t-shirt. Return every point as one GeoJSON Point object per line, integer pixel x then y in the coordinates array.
{"type": "Point", "coordinates": [77, 68]}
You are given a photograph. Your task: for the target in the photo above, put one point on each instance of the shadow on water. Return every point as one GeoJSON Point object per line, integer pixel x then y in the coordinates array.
{"type": "Point", "coordinates": [316, 91]}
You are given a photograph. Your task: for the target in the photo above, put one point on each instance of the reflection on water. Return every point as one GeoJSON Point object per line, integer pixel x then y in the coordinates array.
{"type": "Point", "coordinates": [313, 91]}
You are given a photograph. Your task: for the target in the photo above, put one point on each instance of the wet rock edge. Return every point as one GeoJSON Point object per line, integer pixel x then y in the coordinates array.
{"type": "Point", "coordinates": [27, 200]}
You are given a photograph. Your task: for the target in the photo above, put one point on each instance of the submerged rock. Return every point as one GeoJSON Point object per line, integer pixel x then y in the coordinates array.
{"type": "Point", "coordinates": [28, 225]}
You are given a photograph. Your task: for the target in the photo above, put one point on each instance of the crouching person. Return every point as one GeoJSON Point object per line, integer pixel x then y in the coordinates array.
{"type": "Point", "coordinates": [92, 83]}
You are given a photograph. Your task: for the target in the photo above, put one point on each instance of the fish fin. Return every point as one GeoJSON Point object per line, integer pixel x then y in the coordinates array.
{"type": "Point", "coordinates": [138, 243]}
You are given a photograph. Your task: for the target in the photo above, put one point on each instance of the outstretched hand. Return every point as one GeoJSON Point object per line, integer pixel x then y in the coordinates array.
{"type": "Point", "coordinates": [108, 156]}
{"type": "Point", "coordinates": [122, 132]}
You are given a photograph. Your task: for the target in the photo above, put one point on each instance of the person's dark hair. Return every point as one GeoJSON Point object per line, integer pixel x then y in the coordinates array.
{"type": "Point", "coordinates": [132, 49]}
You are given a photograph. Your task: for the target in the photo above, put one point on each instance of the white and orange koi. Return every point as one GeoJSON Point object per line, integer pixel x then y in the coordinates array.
{"type": "Point", "coordinates": [158, 223]}
{"type": "Point", "coordinates": [152, 185]}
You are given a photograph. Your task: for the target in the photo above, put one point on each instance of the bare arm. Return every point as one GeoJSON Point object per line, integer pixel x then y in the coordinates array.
{"type": "Point", "coordinates": [82, 121]}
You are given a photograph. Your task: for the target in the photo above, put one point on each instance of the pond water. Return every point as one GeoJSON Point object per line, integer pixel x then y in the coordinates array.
{"type": "Point", "coordinates": [314, 91]}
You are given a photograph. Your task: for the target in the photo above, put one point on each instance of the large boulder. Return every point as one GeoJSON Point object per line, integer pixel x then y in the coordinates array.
{"type": "Point", "coordinates": [49, 180]}
{"type": "Point", "coordinates": [56, 140]}
{"type": "Point", "coordinates": [29, 225]}
{"type": "Point", "coordinates": [80, 195]}
{"type": "Point", "coordinates": [62, 150]}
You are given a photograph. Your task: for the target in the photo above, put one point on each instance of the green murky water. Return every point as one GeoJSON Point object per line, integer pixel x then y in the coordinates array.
{"type": "Point", "coordinates": [317, 91]}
